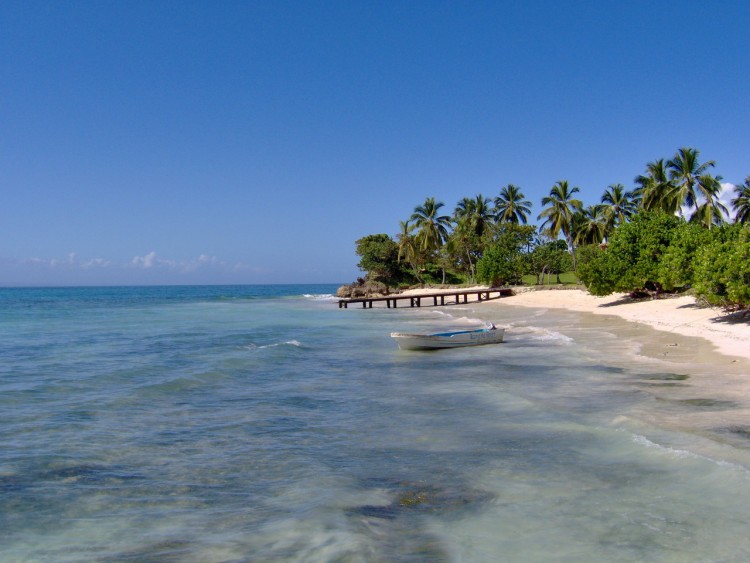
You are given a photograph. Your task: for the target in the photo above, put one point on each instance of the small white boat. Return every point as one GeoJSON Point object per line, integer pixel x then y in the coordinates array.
{"type": "Point", "coordinates": [454, 339]}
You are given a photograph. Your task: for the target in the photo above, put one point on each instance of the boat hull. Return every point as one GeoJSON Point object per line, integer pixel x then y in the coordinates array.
{"type": "Point", "coordinates": [457, 339]}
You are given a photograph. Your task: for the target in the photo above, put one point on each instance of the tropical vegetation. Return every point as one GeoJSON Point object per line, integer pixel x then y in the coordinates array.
{"type": "Point", "coordinates": [669, 232]}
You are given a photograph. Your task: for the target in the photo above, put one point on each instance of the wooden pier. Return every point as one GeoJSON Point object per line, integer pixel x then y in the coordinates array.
{"type": "Point", "coordinates": [431, 299]}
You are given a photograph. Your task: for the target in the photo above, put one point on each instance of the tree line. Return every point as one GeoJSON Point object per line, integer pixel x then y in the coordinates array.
{"type": "Point", "coordinates": [490, 240]}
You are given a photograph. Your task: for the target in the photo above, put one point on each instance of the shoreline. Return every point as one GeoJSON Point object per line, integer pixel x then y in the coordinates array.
{"type": "Point", "coordinates": [679, 315]}
{"type": "Point", "coordinates": [696, 360]}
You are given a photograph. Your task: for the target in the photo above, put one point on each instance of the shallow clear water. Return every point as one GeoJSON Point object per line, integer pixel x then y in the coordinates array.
{"type": "Point", "coordinates": [264, 423]}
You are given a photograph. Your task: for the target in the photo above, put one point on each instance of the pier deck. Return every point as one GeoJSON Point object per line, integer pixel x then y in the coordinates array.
{"type": "Point", "coordinates": [431, 299]}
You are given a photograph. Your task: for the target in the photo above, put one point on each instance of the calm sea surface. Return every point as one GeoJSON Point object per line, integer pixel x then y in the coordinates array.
{"type": "Point", "coordinates": [262, 423]}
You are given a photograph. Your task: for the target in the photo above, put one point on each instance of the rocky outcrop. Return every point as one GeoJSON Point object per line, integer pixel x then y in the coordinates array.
{"type": "Point", "coordinates": [364, 288]}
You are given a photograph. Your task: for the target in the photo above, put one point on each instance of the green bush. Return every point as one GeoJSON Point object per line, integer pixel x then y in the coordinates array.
{"type": "Point", "coordinates": [722, 268]}
{"type": "Point", "coordinates": [503, 262]}
{"type": "Point", "coordinates": [631, 262]}
{"type": "Point", "coordinates": [379, 258]}
{"type": "Point", "coordinates": [500, 265]}
{"type": "Point", "coordinates": [550, 258]}
{"type": "Point", "coordinates": [676, 267]}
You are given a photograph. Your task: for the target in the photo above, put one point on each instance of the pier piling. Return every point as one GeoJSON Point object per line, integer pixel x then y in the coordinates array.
{"type": "Point", "coordinates": [460, 297]}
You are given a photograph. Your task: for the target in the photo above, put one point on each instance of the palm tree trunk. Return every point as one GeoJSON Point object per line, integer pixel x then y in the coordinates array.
{"type": "Point", "coordinates": [572, 248]}
{"type": "Point", "coordinates": [471, 265]}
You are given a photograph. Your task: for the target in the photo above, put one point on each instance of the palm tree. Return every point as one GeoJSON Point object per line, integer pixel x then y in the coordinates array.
{"type": "Point", "coordinates": [741, 203]}
{"type": "Point", "coordinates": [686, 172]}
{"type": "Point", "coordinates": [432, 229]}
{"type": "Point", "coordinates": [483, 214]}
{"type": "Point", "coordinates": [510, 205]}
{"type": "Point", "coordinates": [407, 247]}
{"type": "Point", "coordinates": [474, 214]}
{"type": "Point", "coordinates": [654, 188]}
{"type": "Point", "coordinates": [711, 211]}
{"type": "Point", "coordinates": [618, 206]}
{"type": "Point", "coordinates": [464, 209]}
{"type": "Point", "coordinates": [590, 225]}
{"type": "Point", "coordinates": [558, 215]}
{"type": "Point", "coordinates": [463, 240]}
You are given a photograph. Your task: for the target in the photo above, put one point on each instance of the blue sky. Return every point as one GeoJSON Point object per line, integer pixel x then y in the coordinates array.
{"type": "Point", "coordinates": [254, 142]}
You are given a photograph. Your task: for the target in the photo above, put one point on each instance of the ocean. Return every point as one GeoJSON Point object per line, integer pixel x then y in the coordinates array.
{"type": "Point", "coordinates": [262, 423]}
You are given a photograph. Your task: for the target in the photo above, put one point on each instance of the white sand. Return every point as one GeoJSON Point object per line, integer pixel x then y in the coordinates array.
{"type": "Point", "coordinates": [680, 315]}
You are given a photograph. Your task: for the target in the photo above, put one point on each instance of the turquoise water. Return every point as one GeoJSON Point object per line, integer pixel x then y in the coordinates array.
{"type": "Point", "coordinates": [257, 423]}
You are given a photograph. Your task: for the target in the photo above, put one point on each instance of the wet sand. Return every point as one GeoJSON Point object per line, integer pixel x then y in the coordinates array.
{"type": "Point", "coordinates": [676, 315]}
{"type": "Point", "coordinates": [728, 334]}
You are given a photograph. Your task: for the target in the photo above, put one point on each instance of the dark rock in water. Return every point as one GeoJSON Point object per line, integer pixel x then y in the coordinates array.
{"type": "Point", "coordinates": [84, 471]}
{"type": "Point", "coordinates": [387, 512]}
{"type": "Point", "coordinates": [668, 377]}
{"type": "Point", "coordinates": [742, 431]}
{"type": "Point", "coordinates": [396, 528]}
{"type": "Point", "coordinates": [715, 403]}
{"type": "Point", "coordinates": [414, 498]}
{"type": "Point", "coordinates": [10, 483]}
{"type": "Point", "coordinates": [704, 403]}
{"type": "Point", "coordinates": [88, 473]}
{"type": "Point", "coordinates": [419, 497]}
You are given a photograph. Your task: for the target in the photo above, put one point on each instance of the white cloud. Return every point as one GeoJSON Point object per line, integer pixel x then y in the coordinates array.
{"type": "Point", "coordinates": [146, 261]}
{"type": "Point", "coordinates": [67, 262]}
{"type": "Point", "coordinates": [726, 195]}
{"type": "Point", "coordinates": [203, 261]}
{"type": "Point", "coordinates": [63, 262]}
{"type": "Point", "coordinates": [95, 263]}
{"type": "Point", "coordinates": [203, 266]}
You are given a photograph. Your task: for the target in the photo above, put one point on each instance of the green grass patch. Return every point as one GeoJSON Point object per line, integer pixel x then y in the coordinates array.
{"type": "Point", "coordinates": [566, 278]}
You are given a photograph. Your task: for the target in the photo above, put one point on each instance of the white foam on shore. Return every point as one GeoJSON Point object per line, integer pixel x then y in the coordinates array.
{"type": "Point", "coordinates": [320, 297]}
{"type": "Point", "coordinates": [464, 320]}
{"type": "Point", "coordinates": [540, 333]}
{"type": "Point", "coordinates": [678, 453]}
{"type": "Point", "coordinates": [681, 315]}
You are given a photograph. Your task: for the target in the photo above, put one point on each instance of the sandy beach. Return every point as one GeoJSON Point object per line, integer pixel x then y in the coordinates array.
{"type": "Point", "coordinates": [679, 315]}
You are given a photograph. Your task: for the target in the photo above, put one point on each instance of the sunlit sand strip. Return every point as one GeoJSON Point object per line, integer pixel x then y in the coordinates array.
{"type": "Point", "coordinates": [681, 315]}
